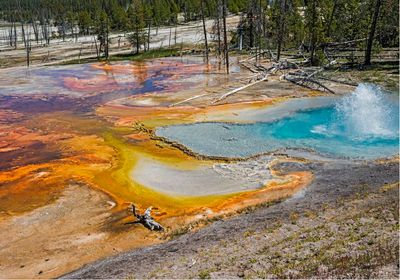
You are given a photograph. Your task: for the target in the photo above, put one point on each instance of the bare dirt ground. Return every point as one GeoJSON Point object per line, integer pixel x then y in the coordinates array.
{"type": "Point", "coordinates": [344, 225]}
{"type": "Point", "coordinates": [66, 233]}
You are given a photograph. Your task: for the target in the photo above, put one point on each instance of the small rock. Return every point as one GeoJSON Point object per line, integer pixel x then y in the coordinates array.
{"type": "Point", "coordinates": [173, 249]}
{"type": "Point", "coordinates": [240, 274]}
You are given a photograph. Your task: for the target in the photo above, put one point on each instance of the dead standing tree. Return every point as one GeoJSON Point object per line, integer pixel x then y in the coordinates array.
{"type": "Point", "coordinates": [217, 24]}
{"type": "Point", "coordinates": [282, 26]}
{"type": "Point", "coordinates": [204, 30]}
{"type": "Point", "coordinates": [370, 40]}
{"type": "Point", "coordinates": [226, 47]}
{"type": "Point", "coordinates": [146, 219]}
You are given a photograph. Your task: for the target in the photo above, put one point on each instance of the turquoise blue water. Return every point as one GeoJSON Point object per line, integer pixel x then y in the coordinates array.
{"type": "Point", "coordinates": [364, 125]}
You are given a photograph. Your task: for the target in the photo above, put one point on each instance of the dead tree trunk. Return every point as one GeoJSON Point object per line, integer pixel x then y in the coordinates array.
{"type": "Point", "coordinates": [107, 40]}
{"type": "Point", "coordinates": [251, 27]}
{"type": "Point", "coordinates": [28, 54]}
{"type": "Point", "coordinates": [204, 30]}
{"type": "Point", "coordinates": [310, 81]}
{"type": "Point", "coordinates": [225, 36]}
{"type": "Point", "coordinates": [97, 49]}
{"type": "Point", "coordinates": [15, 35]}
{"type": "Point", "coordinates": [175, 33]}
{"type": "Point", "coordinates": [219, 27]}
{"type": "Point", "coordinates": [169, 37]}
{"type": "Point", "coordinates": [260, 30]}
{"type": "Point", "coordinates": [372, 33]}
{"type": "Point", "coordinates": [23, 34]}
{"type": "Point", "coordinates": [332, 15]}
{"type": "Point", "coordinates": [146, 219]}
{"type": "Point", "coordinates": [281, 27]}
{"type": "Point", "coordinates": [27, 44]}
{"type": "Point", "coordinates": [262, 75]}
{"type": "Point", "coordinates": [313, 31]}
{"type": "Point", "coordinates": [148, 35]}
{"type": "Point", "coordinates": [35, 30]}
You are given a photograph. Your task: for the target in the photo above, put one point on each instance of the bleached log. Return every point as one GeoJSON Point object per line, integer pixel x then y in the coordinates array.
{"type": "Point", "coordinates": [255, 56]}
{"type": "Point", "coordinates": [305, 82]}
{"type": "Point", "coordinates": [249, 68]}
{"type": "Point", "coordinates": [188, 99]}
{"type": "Point", "coordinates": [337, 81]}
{"type": "Point", "coordinates": [263, 71]}
{"type": "Point", "coordinates": [239, 89]}
{"type": "Point", "coordinates": [146, 219]}
{"type": "Point", "coordinates": [333, 62]}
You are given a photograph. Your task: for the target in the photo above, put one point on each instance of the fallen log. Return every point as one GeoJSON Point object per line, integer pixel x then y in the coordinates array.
{"type": "Point", "coordinates": [239, 89]}
{"type": "Point", "coordinates": [337, 81]}
{"type": "Point", "coordinates": [262, 53]}
{"type": "Point", "coordinates": [249, 68]}
{"type": "Point", "coordinates": [333, 62]}
{"type": "Point", "coordinates": [188, 99]}
{"type": "Point", "coordinates": [307, 82]}
{"type": "Point", "coordinates": [334, 44]}
{"type": "Point", "coordinates": [262, 71]}
{"type": "Point", "coordinates": [146, 219]}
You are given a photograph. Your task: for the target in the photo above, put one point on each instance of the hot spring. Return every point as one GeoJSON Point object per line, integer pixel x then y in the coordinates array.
{"type": "Point", "coordinates": [361, 125]}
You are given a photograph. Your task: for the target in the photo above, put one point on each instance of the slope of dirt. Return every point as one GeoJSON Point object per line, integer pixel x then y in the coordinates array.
{"type": "Point", "coordinates": [344, 225]}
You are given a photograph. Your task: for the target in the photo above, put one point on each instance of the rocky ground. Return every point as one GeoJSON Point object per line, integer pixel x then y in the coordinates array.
{"type": "Point", "coordinates": [344, 225]}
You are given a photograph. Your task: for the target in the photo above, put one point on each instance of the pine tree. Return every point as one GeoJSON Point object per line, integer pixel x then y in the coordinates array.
{"type": "Point", "coordinates": [136, 17]}
{"type": "Point", "coordinates": [314, 26]}
{"type": "Point", "coordinates": [102, 31]}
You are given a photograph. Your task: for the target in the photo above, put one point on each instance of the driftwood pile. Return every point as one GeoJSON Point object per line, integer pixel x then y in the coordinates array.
{"type": "Point", "coordinates": [309, 80]}
{"type": "Point", "coordinates": [302, 76]}
{"type": "Point", "coordinates": [262, 74]}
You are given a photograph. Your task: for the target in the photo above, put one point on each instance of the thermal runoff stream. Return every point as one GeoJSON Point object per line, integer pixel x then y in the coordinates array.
{"type": "Point", "coordinates": [361, 125]}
